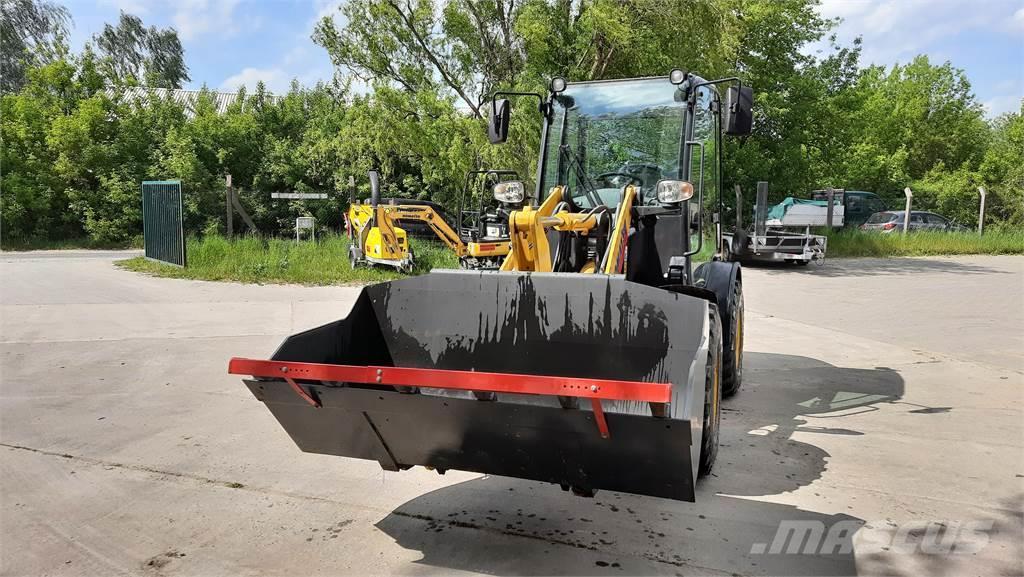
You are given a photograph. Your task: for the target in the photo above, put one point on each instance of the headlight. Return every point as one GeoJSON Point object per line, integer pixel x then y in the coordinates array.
{"type": "Point", "coordinates": [673, 191]}
{"type": "Point", "coordinates": [510, 192]}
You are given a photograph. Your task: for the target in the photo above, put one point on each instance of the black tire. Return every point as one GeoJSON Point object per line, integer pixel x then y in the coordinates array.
{"type": "Point", "coordinates": [732, 355]}
{"type": "Point", "coordinates": [712, 395]}
{"type": "Point", "coordinates": [803, 262]}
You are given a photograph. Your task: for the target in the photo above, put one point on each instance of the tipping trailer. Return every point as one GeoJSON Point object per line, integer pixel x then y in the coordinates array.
{"type": "Point", "coordinates": [781, 233]}
{"type": "Point", "coordinates": [595, 358]}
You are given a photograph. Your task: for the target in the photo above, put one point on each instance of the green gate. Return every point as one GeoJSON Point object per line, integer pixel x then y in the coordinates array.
{"type": "Point", "coordinates": [162, 214]}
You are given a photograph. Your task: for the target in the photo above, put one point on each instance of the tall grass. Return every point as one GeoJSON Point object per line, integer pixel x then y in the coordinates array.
{"type": "Point", "coordinates": [854, 243]}
{"type": "Point", "coordinates": [260, 260]}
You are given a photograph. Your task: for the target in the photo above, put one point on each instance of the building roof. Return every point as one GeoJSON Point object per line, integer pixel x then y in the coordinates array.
{"type": "Point", "coordinates": [187, 98]}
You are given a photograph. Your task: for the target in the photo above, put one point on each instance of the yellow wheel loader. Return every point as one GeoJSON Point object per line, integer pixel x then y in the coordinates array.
{"type": "Point", "coordinates": [596, 358]}
{"type": "Point", "coordinates": [377, 237]}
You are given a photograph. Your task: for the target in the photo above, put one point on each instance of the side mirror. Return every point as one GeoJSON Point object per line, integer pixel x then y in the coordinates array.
{"type": "Point", "coordinates": [497, 120]}
{"type": "Point", "coordinates": [374, 188]}
{"type": "Point", "coordinates": [739, 103]}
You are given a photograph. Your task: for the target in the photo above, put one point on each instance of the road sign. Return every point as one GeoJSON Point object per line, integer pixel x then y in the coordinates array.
{"type": "Point", "coordinates": [305, 223]}
{"type": "Point", "coordinates": [300, 195]}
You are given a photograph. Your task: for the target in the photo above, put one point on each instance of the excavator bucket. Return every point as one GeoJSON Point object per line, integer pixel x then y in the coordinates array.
{"type": "Point", "coordinates": [588, 381]}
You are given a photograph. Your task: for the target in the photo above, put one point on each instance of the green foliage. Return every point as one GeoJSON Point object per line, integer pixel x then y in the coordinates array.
{"type": "Point", "coordinates": [32, 33]}
{"type": "Point", "coordinates": [73, 152]}
{"type": "Point", "coordinates": [252, 259]}
{"type": "Point", "coordinates": [134, 54]}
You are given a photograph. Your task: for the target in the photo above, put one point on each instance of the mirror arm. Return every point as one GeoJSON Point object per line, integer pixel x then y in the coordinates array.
{"type": "Point", "coordinates": [736, 79]}
{"type": "Point", "coordinates": [542, 106]}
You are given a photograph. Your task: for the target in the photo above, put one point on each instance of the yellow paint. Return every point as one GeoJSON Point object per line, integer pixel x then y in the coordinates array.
{"type": "Point", "coordinates": [530, 249]}
{"type": "Point", "coordinates": [619, 235]}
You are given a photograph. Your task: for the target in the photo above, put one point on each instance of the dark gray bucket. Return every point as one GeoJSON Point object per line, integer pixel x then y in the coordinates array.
{"type": "Point", "coordinates": [572, 325]}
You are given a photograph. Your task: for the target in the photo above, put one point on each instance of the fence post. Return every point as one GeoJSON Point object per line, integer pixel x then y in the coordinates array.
{"type": "Point", "coordinates": [739, 207]}
{"type": "Point", "coordinates": [830, 195]}
{"type": "Point", "coordinates": [227, 204]}
{"type": "Point", "coordinates": [981, 211]}
{"type": "Point", "coordinates": [906, 213]}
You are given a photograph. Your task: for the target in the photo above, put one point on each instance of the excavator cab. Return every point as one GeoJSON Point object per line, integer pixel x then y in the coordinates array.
{"type": "Point", "coordinates": [595, 358]}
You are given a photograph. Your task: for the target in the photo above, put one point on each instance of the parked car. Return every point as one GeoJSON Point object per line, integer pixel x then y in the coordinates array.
{"type": "Point", "coordinates": [890, 220]}
{"type": "Point", "coordinates": [858, 205]}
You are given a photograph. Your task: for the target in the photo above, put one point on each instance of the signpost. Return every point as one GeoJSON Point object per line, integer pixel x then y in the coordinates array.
{"type": "Point", "coordinates": [300, 195]}
{"type": "Point", "coordinates": [305, 223]}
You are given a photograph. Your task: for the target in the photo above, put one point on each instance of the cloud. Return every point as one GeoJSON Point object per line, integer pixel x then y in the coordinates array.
{"type": "Point", "coordinates": [275, 79]}
{"type": "Point", "coordinates": [325, 8]}
{"type": "Point", "coordinates": [896, 30]}
{"type": "Point", "coordinates": [1017, 22]}
{"type": "Point", "coordinates": [1002, 104]}
{"type": "Point", "coordinates": [134, 7]}
{"type": "Point", "coordinates": [194, 18]}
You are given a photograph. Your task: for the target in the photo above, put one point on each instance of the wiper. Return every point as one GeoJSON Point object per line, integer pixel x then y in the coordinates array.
{"type": "Point", "coordinates": [586, 183]}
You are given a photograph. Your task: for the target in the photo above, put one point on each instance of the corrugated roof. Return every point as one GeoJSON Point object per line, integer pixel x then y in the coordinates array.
{"type": "Point", "coordinates": [187, 98]}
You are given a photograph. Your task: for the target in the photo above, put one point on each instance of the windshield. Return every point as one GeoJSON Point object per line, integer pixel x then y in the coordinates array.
{"type": "Point", "coordinates": [606, 135]}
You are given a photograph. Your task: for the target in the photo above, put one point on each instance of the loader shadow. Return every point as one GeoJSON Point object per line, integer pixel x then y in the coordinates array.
{"type": "Point", "coordinates": [500, 525]}
{"type": "Point", "coordinates": [844, 267]}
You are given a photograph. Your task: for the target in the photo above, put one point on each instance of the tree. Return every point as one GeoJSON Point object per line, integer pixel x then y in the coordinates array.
{"type": "Point", "coordinates": [139, 55]}
{"type": "Point", "coordinates": [467, 51]}
{"type": "Point", "coordinates": [32, 33]}
{"type": "Point", "coordinates": [598, 39]}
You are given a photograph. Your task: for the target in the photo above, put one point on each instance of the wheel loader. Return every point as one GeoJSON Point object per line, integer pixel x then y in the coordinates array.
{"type": "Point", "coordinates": [595, 358]}
{"type": "Point", "coordinates": [377, 237]}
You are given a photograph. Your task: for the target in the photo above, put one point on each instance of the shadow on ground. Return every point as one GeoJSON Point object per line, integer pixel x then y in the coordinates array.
{"type": "Point", "coordinates": [467, 526]}
{"type": "Point", "coordinates": [843, 267]}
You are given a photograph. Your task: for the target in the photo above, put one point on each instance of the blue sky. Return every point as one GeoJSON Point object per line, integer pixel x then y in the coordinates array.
{"type": "Point", "coordinates": [229, 43]}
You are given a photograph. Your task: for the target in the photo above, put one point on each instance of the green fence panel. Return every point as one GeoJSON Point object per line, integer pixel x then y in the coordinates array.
{"type": "Point", "coordinates": [162, 230]}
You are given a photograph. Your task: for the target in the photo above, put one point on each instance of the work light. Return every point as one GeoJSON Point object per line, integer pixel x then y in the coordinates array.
{"type": "Point", "coordinates": [674, 191]}
{"type": "Point", "coordinates": [509, 192]}
{"type": "Point", "coordinates": [557, 84]}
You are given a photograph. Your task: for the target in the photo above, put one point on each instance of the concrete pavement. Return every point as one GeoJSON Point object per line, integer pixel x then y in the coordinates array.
{"type": "Point", "coordinates": [882, 397]}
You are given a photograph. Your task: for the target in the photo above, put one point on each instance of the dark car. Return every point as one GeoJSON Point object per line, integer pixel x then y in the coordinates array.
{"type": "Point", "coordinates": [890, 220]}
{"type": "Point", "coordinates": [858, 205]}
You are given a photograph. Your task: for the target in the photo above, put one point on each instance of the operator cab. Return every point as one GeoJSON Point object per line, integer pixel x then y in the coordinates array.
{"type": "Point", "coordinates": [606, 135]}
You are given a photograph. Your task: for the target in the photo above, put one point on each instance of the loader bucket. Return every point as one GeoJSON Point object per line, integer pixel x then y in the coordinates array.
{"type": "Point", "coordinates": [588, 381]}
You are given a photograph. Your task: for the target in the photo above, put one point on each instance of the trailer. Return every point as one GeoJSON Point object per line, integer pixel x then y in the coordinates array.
{"type": "Point", "coordinates": [783, 232]}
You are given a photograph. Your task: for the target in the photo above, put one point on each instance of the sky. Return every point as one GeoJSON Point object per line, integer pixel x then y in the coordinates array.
{"type": "Point", "coordinates": [229, 43]}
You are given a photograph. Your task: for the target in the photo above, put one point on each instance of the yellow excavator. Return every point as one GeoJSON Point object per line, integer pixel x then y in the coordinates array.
{"type": "Point", "coordinates": [377, 238]}
{"type": "Point", "coordinates": [596, 358]}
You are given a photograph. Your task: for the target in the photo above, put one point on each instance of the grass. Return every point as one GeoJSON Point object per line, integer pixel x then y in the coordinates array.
{"type": "Point", "coordinates": [69, 244]}
{"type": "Point", "coordinates": [856, 243]}
{"type": "Point", "coordinates": [259, 260]}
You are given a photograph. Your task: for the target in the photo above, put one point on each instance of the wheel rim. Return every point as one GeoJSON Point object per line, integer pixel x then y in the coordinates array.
{"type": "Point", "coordinates": [737, 345]}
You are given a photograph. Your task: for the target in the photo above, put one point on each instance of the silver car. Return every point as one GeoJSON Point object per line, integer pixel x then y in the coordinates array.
{"type": "Point", "coordinates": [892, 220]}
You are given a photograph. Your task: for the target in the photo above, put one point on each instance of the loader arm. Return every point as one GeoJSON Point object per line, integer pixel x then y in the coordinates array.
{"type": "Point", "coordinates": [531, 250]}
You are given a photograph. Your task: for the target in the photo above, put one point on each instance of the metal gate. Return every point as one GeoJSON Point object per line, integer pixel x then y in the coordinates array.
{"type": "Point", "coordinates": [162, 230]}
